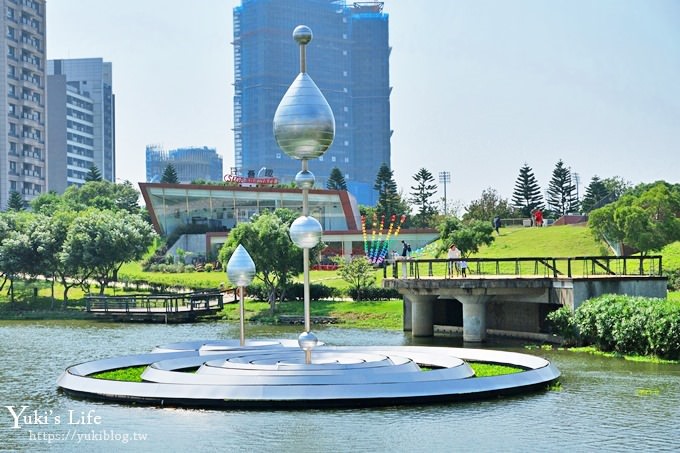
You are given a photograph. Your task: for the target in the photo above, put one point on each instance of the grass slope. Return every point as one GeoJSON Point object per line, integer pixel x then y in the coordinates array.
{"type": "Point", "coordinates": [553, 241]}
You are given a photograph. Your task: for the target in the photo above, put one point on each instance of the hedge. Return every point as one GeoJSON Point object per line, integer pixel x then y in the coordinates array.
{"type": "Point", "coordinates": [623, 324]}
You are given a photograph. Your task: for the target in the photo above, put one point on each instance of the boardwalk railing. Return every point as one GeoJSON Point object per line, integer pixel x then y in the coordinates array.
{"type": "Point", "coordinates": [552, 267]}
{"type": "Point", "coordinates": [168, 303]}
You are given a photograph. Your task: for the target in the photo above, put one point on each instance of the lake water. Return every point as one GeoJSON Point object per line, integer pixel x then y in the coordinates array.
{"type": "Point", "coordinates": [603, 405]}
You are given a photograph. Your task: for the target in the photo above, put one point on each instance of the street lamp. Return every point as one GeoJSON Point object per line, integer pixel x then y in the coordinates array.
{"type": "Point", "coordinates": [444, 178]}
{"type": "Point", "coordinates": [304, 128]}
{"type": "Point", "coordinates": [241, 270]}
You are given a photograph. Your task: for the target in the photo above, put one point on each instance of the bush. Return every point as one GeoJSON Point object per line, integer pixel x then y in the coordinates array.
{"type": "Point", "coordinates": [208, 267]}
{"type": "Point", "coordinates": [563, 324]}
{"type": "Point", "coordinates": [673, 279]}
{"type": "Point", "coordinates": [374, 293]}
{"type": "Point", "coordinates": [630, 325]}
{"type": "Point", "coordinates": [317, 291]}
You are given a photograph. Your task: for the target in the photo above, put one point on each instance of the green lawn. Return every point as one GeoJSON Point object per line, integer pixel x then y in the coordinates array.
{"type": "Point", "coordinates": [554, 241]}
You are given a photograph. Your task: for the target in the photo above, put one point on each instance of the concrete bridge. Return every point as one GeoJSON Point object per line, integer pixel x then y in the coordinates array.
{"type": "Point", "coordinates": [512, 296]}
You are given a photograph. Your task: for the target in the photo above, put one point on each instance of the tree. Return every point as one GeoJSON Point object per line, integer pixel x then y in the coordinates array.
{"type": "Point", "coordinates": [102, 241]}
{"type": "Point", "coordinates": [421, 196]}
{"type": "Point", "coordinates": [15, 202]}
{"type": "Point", "coordinates": [103, 195]}
{"type": "Point", "coordinates": [358, 272]}
{"type": "Point", "coordinates": [646, 218]}
{"type": "Point", "coordinates": [336, 180]}
{"type": "Point", "coordinates": [527, 195]}
{"type": "Point", "coordinates": [616, 187]}
{"type": "Point", "coordinates": [268, 243]}
{"type": "Point", "coordinates": [596, 193]}
{"type": "Point", "coordinates": [488, 206]}
{"type": "Point", "coordinates": [93, 175]}
{"type": "Point", "coordinates": [468, 236]}
{"type": "Point", "coordinates": [561, 192]}
{"type": "Point", "coordinates": [388, 197]}
{"type": "Point", "coordinates": [47, 203]}
{"type": "Point", "coordinates": [170, 175]}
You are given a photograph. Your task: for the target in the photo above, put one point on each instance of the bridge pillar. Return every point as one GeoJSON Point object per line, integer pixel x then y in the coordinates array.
{"type": "Point", "coordinates": [422, 315]}
{"type": "Point", "coordinates": [474, 317]}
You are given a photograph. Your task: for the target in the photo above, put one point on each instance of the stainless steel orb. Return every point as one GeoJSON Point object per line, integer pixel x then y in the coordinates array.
{"type": "Point", "coordinates": [305, 179]}
{"type": "Point", "coordinates": [307, 341]}
{"type": "Point", "coordinates": [305, 232]}
{"type": "Point", "coordinates": [240, 268]}
{"type": "Point", "coordinates": [304, 126]}
{"type": "Point", "coordinates": [302, 34]}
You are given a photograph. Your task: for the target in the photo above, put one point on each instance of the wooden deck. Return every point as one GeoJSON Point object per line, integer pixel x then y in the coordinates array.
{"type": "Point", "coordinates": [164, 308]}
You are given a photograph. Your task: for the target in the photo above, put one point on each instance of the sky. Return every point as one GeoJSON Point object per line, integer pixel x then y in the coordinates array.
{"type": "Point", "coordinates": [479, 87]}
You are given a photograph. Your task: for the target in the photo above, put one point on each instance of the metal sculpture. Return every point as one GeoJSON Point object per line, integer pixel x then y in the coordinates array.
{"type": "Point", "coordinates": [304, 128]}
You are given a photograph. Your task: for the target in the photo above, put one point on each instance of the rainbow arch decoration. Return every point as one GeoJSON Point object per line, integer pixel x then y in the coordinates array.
{"type": "Point", "coordinates": [377, 247]}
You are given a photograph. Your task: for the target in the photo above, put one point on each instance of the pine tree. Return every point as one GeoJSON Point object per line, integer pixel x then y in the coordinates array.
{"type": "Point", "coordinates": [561, 192]}
{"type": "Point", "coordinates": [596, 192]}
{"type": "Point", "coordinates": [388, 198]}
{"type": "Point", "coordinates": [527, 195]}
{"type": "Point", "coordinates": [15, 202]}
{"type": "Point", "coordinates": [170, 175]}
{"type": "Point", "coordinates": [422, 194]}
{"type": "Point", "coordinates": [336, 181]}
{"type": "Point", "coordinates": [93, 175]}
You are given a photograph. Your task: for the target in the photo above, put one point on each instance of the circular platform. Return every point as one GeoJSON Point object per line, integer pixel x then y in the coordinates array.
{"type": "Point", "coordinates": [273, 374]}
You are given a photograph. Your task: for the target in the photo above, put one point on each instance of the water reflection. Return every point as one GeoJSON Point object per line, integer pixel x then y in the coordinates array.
{"type": "Point", "coordinates": [604, 404]}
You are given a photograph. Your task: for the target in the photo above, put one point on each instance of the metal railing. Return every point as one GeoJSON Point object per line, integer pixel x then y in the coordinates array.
{"type": "Point", "coordinates": [549, 267]}
{"type": "Point", "coordinates": [167, 303]}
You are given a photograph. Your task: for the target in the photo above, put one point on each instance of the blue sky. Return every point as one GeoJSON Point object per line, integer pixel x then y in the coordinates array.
{"type": "Point", "coordinates": [480, 87]}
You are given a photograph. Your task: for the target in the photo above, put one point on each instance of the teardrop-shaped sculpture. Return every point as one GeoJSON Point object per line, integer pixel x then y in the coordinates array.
{"type": "Point", "coordinates": [240, 268]}
{"type": "Point", "coordinates": [304, 126]}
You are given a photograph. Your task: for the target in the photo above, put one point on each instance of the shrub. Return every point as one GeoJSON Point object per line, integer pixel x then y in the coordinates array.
{"type": "Point", "coordinates": [374, 293]}
{"type": "Point", "coordinates": [630, 325]}
{"type": "Point", "coordinates": [208, 267]}
{"type": "Point", "coordinates": [673, 279]}
{"type": "Point", "coordinates": [563, 324]}
{"type": "Point", "coordinates": [317, 291]}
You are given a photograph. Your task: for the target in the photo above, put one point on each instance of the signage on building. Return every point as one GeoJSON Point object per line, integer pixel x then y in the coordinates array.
{"type": "Point", "coordinates": [249, 181]}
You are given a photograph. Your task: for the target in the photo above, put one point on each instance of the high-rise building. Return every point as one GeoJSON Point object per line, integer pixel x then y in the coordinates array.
{"type": "Point", "coordinates": [190, 163]}
{"type": "Point", "coordinates": [70, 134]}
{"type": "Point", "coordinates": [348, 58]}
{"type": "Point", "coordinates": [22, 96]}
{"type": "Point", "coordinates": [92, 78]}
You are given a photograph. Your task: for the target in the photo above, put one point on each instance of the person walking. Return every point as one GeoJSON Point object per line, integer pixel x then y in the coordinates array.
{"type": "Point", "coordinates": [497, 224]}
{"type": "Point", "coordinates": [453, 255]}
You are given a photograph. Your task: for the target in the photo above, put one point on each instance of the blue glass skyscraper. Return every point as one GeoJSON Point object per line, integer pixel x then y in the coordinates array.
{"type": "Point", "coordinates": [349, 61]}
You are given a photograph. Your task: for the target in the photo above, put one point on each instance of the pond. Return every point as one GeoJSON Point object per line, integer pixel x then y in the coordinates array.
{"type": "Point", "coordinates": [603, 404]}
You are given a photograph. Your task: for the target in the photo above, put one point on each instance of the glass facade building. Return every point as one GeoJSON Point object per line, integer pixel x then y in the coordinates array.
{"type": "Point", "coordinates": [191, 163]}
{"type": "Point", "coordinates": [93, 77]}
{"type": "Point", "coordinates": [349, 61]}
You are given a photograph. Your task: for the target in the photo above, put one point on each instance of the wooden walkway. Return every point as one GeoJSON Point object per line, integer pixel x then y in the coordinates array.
{"type": "Point", "coordinates": [165, 308]}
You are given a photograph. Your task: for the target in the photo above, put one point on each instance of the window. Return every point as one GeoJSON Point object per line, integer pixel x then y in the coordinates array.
{"type": "Point", "coordinates": [278, 155]}
{"type": "Point", "coordinates": [346, 160]}
{"type": "Point", "coordinates": [346, 142]}
{"type": "Point", "coordinates": [333, 159]}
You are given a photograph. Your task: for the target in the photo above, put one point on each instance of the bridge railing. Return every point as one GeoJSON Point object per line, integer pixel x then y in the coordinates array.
{"type": "Point", "coordinates": [550, 267]}
{"type": "Point", "coordinates": [167, 303]}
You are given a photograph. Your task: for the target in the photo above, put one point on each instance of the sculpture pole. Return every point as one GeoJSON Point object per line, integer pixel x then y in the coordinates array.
{"type": "Point", "coordinates": [304, 128]}
{"type": "Point", "coordinates": [241, 270]}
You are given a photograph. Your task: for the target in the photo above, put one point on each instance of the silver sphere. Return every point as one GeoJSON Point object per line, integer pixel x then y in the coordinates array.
{"type": "Point", "coordinates": [305, 232]}
{"type": "Point", "coordinates": [305, 179]}
{"type": "Point", "coordinates": [240, 268]}
{"type": "Point", "coordinates": [302, 34]}
{"type": "Point", "coordinates": [307, 341]}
